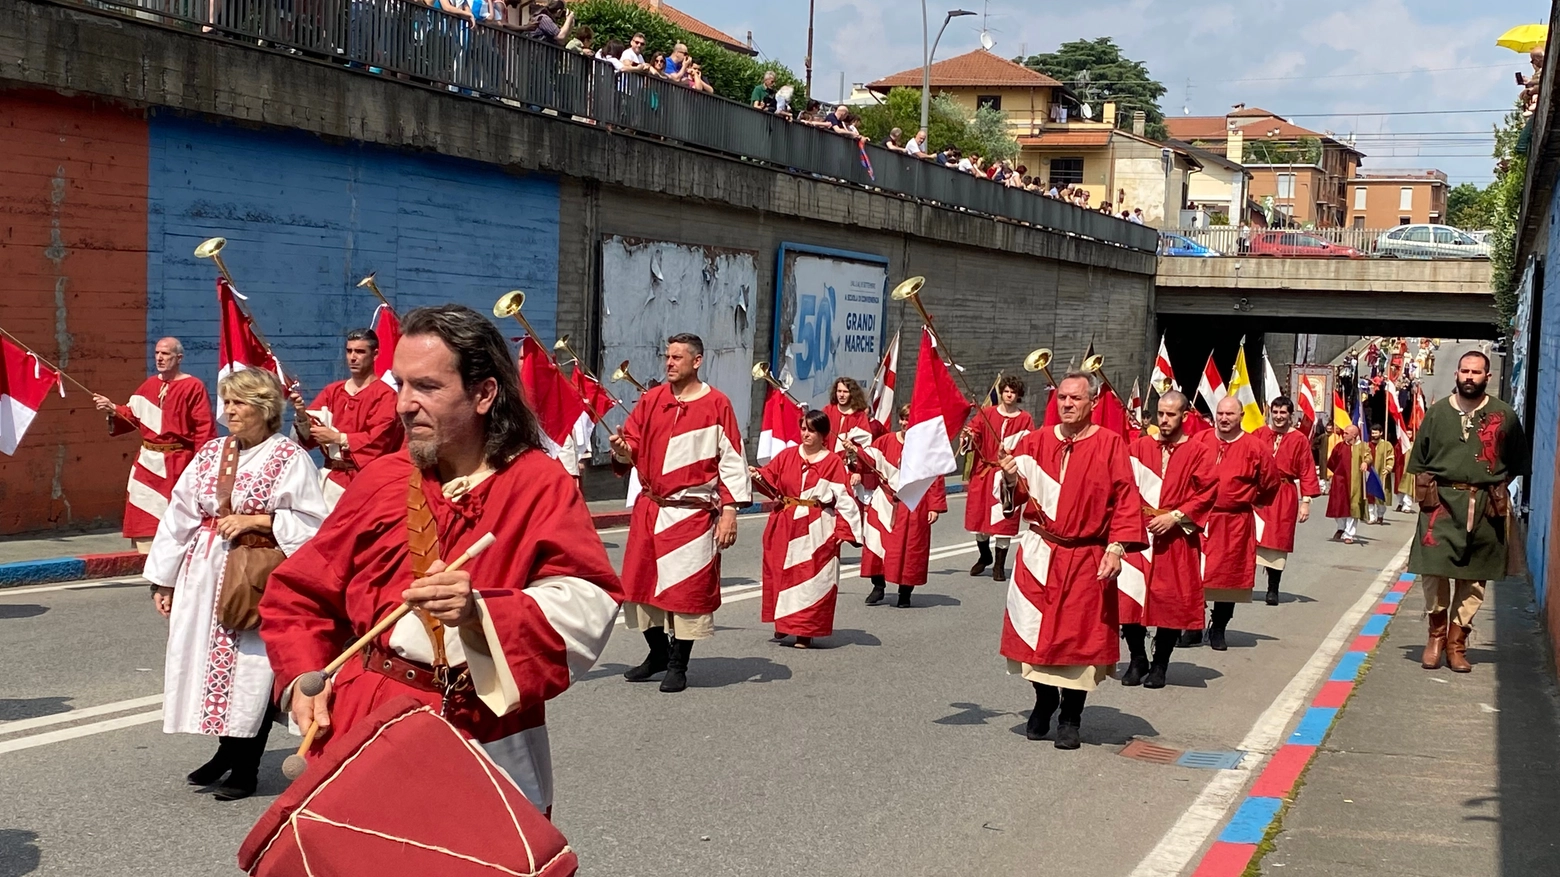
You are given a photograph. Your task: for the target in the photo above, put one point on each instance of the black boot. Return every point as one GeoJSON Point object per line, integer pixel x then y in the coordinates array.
{"type": "Point", "coordinates": [1071, 719]}
{"type": "Point", "coordinates": [985, 557]}
{"type": "Point", "coordinates": [1137, 667]}
{"type": "Point", "coordinates": [1046, 699]}
{"type": "Point", "coordinates": [1189, 638]}
{"type": "Point", "coordinates": [215, 769]}
{"type": "Point", "coordinates": [1164, 645]}
{"type": "Point", "coordinates": [904, 597]}
{"type": "Point", "coordinates": [1222, 613]}
{"type": "Point", "coordinates": [1000, 573]}
{"type": "Point", "coordinates": [1274, 575]}
{"type": "Point", "coordinates": [246, 754]}
{"type": "Point", "coordinates": [655, 662]}
{"type": "Point", "coordinates": [876, 595]}
{"type": "Point", "coordinates": [677, 666]}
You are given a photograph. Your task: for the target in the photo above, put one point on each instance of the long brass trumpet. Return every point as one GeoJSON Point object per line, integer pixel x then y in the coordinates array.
{"type": "Point", "coordinates": [211, 248]}
{"type": "Point", "coordinates": [509, 305]}
{"type": "Point", "coordinates": [910, 289]}
{"type": "Point", "coordinates": [761, 372]}
{"type": "Point", "coordinates": [621, 373]}
{"type": "Point", "coordinates": [369, 284]}
{"type": "Point", "coordinates": [1039, 360]}
{"type": "Point", "coordinates": [562, 346]}
{"type": "Point", "coordinates": [1094, 364]}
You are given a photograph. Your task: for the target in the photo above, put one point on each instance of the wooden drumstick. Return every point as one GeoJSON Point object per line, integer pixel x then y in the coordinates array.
{"type": "Point", "coordinates": [313, 682]}
{"type": "Point", "coordinates": [295, 764]}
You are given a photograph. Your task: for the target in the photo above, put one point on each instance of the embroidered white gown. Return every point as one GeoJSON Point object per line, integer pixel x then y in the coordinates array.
{"type": "Point", "coordinates": [217, 681]}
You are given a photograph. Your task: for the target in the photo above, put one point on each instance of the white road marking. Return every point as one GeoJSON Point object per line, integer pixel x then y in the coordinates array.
{"type": "Point", "coordinates": [1184, 841]}
{"type": "Point", "coordinates": [81, 585]}
{"type": "Point", "coordinates": [79, 731]}
{"type": "Point", "coordinates": [104, 709]}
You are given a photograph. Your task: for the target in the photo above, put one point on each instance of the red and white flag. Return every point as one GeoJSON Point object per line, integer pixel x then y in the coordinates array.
{"type": "Point", "coordinates": [781, 427]}
{"type": "Point", "coordinates": [882, 406]}
{"type": "Point", "coordinates": [387, 328]}
{"type": "Point", "coordinates": [1163, 378]}
{"type": "Point", "coordinates": [1136, 402]}
{"type": "Point", "coordinates": [24, 382]}
{"type": "Point", "coordinates": [1307, 401]}
{"type": "Point", "coordinates": [557, 404]}
{"type": "Point", "coordinates": [1210, 387]}
{"type": "Point", "coordinates": [1395, 411]}
{"type": "Point", "coordinates": [592, 393]}
{"type": "Point", "coordinates": [937, 413]}
{"type": "Point", "coordinates": [238, 344]}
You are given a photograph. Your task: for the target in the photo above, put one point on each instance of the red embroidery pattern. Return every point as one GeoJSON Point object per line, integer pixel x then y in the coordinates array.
{"type": "Point", "coordinates": [256, 490]}
{"type": "Point", "coordinates": [1489, 440]}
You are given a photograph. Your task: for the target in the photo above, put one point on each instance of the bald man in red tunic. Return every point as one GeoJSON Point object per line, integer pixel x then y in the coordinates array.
{"type": "Point", "coordinates": [1246, 478]}
{"type": "Point", "coordinates": [1081, 515]}
{"type": "Point", "coordinates": [683, 440]}
{"type": "Point", "coordinates": [490, 643]}
{"type": "Point", "coordinates": [173, 413]}
{"type": "Point", "coordinates": [1162, 586]}
{"type": "Point", "coordinates": [1295, 470]}
{"type": "Point", "coordinates": [353, 422]}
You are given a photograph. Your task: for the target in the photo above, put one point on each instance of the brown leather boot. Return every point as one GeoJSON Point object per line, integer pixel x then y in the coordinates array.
{"type": "Point", "coordinates": [1000, 574]}
{"type": "Point", "coordinates": [1457, 649]}
{"type": "Point", "coordinates": [1436, 644]}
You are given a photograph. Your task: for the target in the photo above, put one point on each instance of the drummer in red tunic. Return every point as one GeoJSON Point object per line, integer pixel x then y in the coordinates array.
{"type": "Point", "coordinates": [491, 643]}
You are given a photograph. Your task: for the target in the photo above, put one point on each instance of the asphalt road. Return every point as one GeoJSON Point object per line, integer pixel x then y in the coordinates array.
{"type": "Point", "coordinates": [895, 749]}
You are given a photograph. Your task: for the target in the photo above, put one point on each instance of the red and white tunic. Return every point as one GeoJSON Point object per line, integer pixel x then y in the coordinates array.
{"type": "Point", "coordinates": [688, 456]}
{"type": "Point", "coordinates": [1078, 496]}
{"type": "Point", "coordinates": [1161, 586]}
{"type": "Point", "coordinates": [856, 426]}
{"type": "Point", "coordinates": [1295, 470]}
{"type": "Point", "coordinates": [368, 422]}
{"type": "Point", "coordinates": [898, 540]}
{"type": "Point", "coordinates": [802, 542]}
{"type": "Point", "coordinates": [174, 419]}
{"type": "Point", "coordinates": [218, 681]}
{"type": "Point", "coordinates": [983, 502]}
{"type": "Point", "coordinates": [1245, 469]}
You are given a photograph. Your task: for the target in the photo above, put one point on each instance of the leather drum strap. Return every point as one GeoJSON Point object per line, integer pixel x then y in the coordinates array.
{"type": "Point", "coordinates": [422, 537]}
{"type": "Point", "coordinates": [227, 473]}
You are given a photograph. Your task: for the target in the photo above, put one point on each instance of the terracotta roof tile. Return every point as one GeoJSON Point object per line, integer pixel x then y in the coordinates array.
{"type": "Point", "coordinates": [1068, 138]}
{"type": "Point", "coordinates": [694, 26]}
{"type": "Point", "coordinates": [979, 68]}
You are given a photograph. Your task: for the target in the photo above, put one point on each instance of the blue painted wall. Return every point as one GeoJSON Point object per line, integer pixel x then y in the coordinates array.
{"type": "Point", "coordinates": [1545, 338]}
{"type": "Point", "coordinates": [305, 220]}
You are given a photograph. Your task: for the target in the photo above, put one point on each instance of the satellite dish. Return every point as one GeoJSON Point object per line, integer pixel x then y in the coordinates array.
{"type": "Point", "coordinates": [986, 42]}
{"type": "Point", "coordinates": [1085, 111]}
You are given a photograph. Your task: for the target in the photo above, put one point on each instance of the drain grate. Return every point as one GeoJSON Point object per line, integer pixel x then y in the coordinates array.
{"type": "Point", "coordinates": [1145, 751]}
{"type": "Point", "coordinates": [1212, 760]}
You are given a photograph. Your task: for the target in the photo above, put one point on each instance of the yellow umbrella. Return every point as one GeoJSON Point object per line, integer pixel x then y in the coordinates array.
{"type": "Point", "coordinates": [1524, 37]}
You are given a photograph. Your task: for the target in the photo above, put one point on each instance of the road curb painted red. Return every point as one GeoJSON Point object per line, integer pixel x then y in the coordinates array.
{"type": "Point", "coordinates": [1232, 852]}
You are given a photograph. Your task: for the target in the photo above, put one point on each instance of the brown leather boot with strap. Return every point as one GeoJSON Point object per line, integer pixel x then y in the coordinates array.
{"type": "Point", "coordinates": [1435, 646]}
{"type": "Point", "coordinates": [1457, 649]}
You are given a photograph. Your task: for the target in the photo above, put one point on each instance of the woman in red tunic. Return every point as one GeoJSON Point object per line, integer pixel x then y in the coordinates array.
{"type": "Point", "coordinates": [989, 435]}
{"type": "Point", "coordinates": [815, 515]}
{"type": "Point", "coordinates": [898, 539]}
{"type": "Point", "coordinates": [848, 417]}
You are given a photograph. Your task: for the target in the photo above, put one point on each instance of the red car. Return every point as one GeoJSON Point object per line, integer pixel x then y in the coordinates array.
{"type": "Point", "coordinates": [1293, 243]}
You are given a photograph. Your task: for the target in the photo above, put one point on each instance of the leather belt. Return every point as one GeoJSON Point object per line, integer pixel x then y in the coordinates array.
{"type": "Point", "coordinates": [1462, 485]}
{"type": "Point", "coordinates": [1156, 512]}
{"type": "Point", "coordinates": [791, 502]}
{"type": "Point", "coordinates": [339, 465]}
{"type": "Point", "coordinates": [166, 447]}
{"type": "Point", "coordinates": [668, 502]}
{"type": "Point", "coordinates": [1065, 541]}
{"type": "Point", "coordinates": [417, 675]}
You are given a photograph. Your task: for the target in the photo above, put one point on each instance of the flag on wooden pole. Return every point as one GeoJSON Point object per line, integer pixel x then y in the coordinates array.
{"type": "Point", "coordinates": [1210, 387]}
{"type": "Point", "coordinates": [24, 382]}
{"type": "Point", "coordinates": [781, 426]}
{"type": "Point", "coordinates": [882, 406]}
{"type": "Point", "coordinates": [937, 413]}
{"type": "Point", "coordinates": [387, 328]}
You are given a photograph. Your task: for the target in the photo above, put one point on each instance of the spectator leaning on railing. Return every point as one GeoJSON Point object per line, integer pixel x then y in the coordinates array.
{"type": "Point", "coordinates": [1530, 89]}
{"type": "Point", "coordinates": [895, 140]}
{"type": "Point", "coordinates": [764, 93]}
{"type": "Point", "coordinates": [695, 78]}
{"type": "Point", "coordinates": [581, 41]}
{"type": "Point", "coordinates": [917, 145]}
{"type": "Point", "coordinates": [632, 57]}
{"type": "Point", "coordinates": [612, 54]}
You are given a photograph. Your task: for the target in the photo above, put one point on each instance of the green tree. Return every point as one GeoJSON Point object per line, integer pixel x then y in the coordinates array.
{"type": "Point", "coordinates": [1096, 71]}
{"type": "Point", "coordinates": [1505, 201]}
{"type": "Point", "coordinates": [1468, 206]}
{"type": "Point", "coordinates": [984, 133]}
{"type": "Point", "coordinates": [733, 75]}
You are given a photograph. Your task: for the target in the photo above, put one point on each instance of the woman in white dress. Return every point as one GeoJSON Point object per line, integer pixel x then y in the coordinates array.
{"type": "Point", "coordinates": [217, 681]}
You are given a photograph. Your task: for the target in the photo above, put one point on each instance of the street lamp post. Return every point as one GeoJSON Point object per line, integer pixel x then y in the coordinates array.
{"type": "Point", "coordinates": [926, 57]}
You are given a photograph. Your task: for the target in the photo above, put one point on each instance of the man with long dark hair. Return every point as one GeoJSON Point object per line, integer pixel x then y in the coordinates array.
{"type": "Point", "coordinates": [490, 643]}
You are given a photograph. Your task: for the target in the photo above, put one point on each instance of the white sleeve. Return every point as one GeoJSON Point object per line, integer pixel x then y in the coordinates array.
{"type": "Point", "coordinates": [299, 506]}
{"type": "Point", "coordinates": [179, 524]}
{"type": "Point", "coordinates": [845, 506]}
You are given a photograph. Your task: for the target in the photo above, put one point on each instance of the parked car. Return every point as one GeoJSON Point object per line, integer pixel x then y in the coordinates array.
{"type": "Point", "coordinates": [1430, 242]}
{"type": "Point", "coordinates": [1294, 243]}
{"type": "Point", "coordinates": [1483, 236]}
{"type": "Point", "coordinates": [1177, 245]}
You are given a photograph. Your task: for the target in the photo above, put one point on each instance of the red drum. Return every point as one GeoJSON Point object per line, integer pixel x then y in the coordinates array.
{"type": "Point", "coordinates": [404, 792]}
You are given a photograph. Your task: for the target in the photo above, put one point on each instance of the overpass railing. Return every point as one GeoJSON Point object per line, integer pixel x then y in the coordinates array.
{"type": "Point", "coordinates": [1400, 242]}
{"type": "Point", "coordinates": [425, 45]}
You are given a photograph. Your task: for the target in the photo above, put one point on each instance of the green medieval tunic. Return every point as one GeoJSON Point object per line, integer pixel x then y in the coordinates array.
{"type": "Point", "coordinates": [1467, 456]}
{"type": "Point", "coordinates": [1384, 460]}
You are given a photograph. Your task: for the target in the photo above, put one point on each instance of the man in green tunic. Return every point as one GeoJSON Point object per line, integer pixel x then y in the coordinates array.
{"type": "Point", "coordinates": [1472, 445]}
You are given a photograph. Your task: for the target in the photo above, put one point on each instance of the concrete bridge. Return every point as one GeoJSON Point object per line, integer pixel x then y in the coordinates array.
{"type": "Point", "coordinates": [1443, 297]}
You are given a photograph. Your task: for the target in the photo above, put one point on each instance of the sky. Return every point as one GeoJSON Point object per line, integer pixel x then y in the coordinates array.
{"type": "Point", "coordinates": [1326, 65]}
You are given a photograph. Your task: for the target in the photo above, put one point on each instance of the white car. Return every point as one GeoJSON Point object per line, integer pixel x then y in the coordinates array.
{"type": "Point", "coordinates": [1430, 242]}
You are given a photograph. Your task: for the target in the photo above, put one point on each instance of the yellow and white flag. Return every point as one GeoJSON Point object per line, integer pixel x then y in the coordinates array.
{"type": "Point", "coordinates": [1241, 389]}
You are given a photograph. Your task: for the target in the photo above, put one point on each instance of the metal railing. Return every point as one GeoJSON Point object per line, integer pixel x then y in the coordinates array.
{"type": "Point", "coordinates": [1385, 243]}
{"type": "Point", "coordinates": [425, 45]}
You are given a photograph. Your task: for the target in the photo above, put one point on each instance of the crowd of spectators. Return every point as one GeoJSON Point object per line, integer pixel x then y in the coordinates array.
{"type": "Point", "coordinates": [676, 67]}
